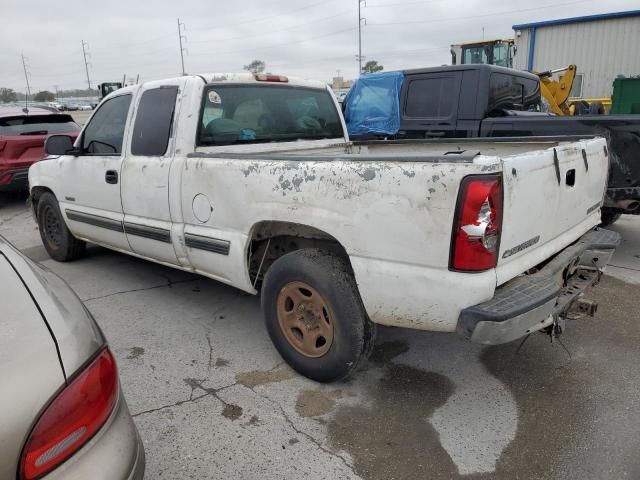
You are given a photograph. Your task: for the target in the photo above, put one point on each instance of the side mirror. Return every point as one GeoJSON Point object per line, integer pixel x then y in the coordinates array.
{"type": "Point", "coordinates": [59, 145]}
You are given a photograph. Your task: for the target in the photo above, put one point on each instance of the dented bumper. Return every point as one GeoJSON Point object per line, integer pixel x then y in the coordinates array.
{"type": "Point", "coordinates": [531, 302]}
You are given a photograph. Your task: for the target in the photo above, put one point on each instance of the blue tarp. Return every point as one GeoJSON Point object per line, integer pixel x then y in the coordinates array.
{"type": "Point", "coordinates": [372, 106]}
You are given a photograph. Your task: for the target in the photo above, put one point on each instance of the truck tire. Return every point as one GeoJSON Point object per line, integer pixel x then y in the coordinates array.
{"type": "Point", "coordinates": [314, 315]}
{"type": "Point", "coordinates": [608, 217]}
{"type": "Point", "coordinates": [58, 241]}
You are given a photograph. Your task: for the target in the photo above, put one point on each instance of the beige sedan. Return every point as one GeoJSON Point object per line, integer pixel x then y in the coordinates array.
{"type": "Point", "coordinates": [63, 413]}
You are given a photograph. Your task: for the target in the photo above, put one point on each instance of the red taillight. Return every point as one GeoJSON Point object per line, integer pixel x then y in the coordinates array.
{"type": "Point", "coordinates": [476, 230]}
{"type": "Point", "coordinates": [72, 418]}
{"type": "Point", "coordinates": [5, 179]}
{"type": "Point", "coordinates": [263, 77]}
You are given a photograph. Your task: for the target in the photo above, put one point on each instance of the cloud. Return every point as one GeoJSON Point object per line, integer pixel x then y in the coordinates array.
{"type": "Point", "coordinates": [309, 38]}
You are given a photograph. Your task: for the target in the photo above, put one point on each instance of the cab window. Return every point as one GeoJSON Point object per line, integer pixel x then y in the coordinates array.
{"type": "Point", "coordinates": [105, 132]}
{"type": "Point", "coordinates": [236, 114]}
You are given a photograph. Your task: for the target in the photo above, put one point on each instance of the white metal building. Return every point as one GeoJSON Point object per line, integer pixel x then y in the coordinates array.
{"type": "Point", "coordinates": [602, 47]}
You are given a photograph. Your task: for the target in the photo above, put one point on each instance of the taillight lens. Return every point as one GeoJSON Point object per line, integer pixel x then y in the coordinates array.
{"type": "Point", "coordinates": [476, 230]}
{"type": "Point", "coordinates": [72, 418]}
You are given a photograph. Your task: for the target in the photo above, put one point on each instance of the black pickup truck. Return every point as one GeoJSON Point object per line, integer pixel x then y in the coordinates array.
{"type": "Point", "coordinates": [469, 101]}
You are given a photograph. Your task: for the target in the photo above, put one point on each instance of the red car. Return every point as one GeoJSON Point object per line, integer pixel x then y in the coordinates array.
{"type": "Point", "coordinates": [22, 136]}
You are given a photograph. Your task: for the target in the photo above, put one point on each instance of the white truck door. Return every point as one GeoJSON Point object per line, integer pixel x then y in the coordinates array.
{"type": "Point", "coordinates": [145, 174]}
{"type": "Point", "coordinates": [90, 182]}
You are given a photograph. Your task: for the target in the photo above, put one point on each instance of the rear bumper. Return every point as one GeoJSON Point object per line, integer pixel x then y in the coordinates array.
{"type": "Point", "coordinates": [530, 302]}
{"type": "Point", "coordinates": [13, 180]}
{"type": "Point", "coordinates": [115, 453]}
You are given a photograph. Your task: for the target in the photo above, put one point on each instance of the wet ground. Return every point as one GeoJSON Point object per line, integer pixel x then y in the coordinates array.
{"type": "Point", "coordinates": [212, 398]}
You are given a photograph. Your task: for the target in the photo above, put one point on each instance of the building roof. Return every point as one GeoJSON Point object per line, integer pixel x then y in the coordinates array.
{"type": "Point", "coordinates": [586, 18]}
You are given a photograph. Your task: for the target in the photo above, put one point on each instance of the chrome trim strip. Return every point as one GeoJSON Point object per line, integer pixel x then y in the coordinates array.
{"type": "Point", "coordinates": [95, 220]}
{"type": "Point", "coordinates": [214, 245]}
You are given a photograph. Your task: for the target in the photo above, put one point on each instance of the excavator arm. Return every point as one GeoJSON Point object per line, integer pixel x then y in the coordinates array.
{"type": "Point", "coordinates": [556, 92]}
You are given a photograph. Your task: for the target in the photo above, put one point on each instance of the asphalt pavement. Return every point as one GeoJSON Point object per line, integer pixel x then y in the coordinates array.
{"type": "Point", "coordinates": [212, 398]}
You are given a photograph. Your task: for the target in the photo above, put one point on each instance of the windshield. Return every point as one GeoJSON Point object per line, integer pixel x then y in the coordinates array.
{"type": "Point", "coordinates": [37, 125]}
{"type": "Point", "coordinates": [266, 113]}
{"type": "Point", "coordinates": [501, 54]}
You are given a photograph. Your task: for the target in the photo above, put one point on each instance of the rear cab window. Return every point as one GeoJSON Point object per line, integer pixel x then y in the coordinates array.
{"type": "Point", "coordinates": [241, 113]}
{"type": "Point", "coordinates": [154, 120]}
{"type": "Point", "coordinates": [510, 92]}
{"type": "Point", "coordinates": [24, 125]}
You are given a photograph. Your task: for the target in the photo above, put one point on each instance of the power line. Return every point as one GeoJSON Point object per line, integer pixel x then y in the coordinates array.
{"type": "Point", "coordinates": [330, 34]}
{"type": "Point", "coordinates": [437, 20]}
{"type": "Point", "coordinates": [269, 17]}
{"type": "Point", "coordinates": [271, 32]}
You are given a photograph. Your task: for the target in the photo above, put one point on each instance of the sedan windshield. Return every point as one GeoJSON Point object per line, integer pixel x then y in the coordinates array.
{"type": "Point", "coordinates": [266, 113]}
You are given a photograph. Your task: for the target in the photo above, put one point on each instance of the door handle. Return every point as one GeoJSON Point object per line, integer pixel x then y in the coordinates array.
{"type": "Point", "coordinates": [434, 134]}
{"type": "Point", "coordinates": [111, 177]}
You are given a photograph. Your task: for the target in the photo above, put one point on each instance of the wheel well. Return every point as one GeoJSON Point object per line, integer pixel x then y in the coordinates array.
{"type": "Point", "coordinates": [271, 240]}
{"type": "Point", "coordinates": [35, 194]}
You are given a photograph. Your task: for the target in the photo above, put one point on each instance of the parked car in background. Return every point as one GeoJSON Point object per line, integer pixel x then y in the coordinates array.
{"type": "Point", "coordinates": [22, 136]}
{"type": "Point", "coordinates": [256, 184]}
{"type": "Point", "coordinates": [70, 106]}
{"type": "Point", "coordinates": [63, 412]}
{"type": "Point", "coordinates": [84, 107]}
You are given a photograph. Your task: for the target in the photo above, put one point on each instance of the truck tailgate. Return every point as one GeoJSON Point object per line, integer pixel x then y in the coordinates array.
{"type": "Point", "coordinates": [551, 198]}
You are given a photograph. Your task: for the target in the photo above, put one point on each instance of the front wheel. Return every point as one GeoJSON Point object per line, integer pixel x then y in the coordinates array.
{"type": "Point", "coordinates": [314, 315]}
{"type": "Point", "coordinates": [58, 241]}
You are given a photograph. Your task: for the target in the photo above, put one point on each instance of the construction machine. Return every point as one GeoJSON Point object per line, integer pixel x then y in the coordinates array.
{"type": "Point", "coordinates": [556, 92]}
{"type": "Point", "coordinates": [488, 52]}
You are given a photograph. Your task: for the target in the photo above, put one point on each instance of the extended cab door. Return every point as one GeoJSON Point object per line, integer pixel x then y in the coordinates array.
{"type": "Point", "coordinates": [145, 174]}
{"type": "Point", "coordinates": [90, 182]}
{"type": "Point", "coordinates": [430, 104]}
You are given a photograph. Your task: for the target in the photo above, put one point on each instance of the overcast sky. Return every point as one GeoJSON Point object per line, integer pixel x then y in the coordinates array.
{"type": "Point", "coordinates": [308, 38]}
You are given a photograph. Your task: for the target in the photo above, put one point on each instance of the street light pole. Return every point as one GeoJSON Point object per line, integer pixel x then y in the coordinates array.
{"type": "Point", "coordinates": [360, 20]}
{"type": "Point", "coordinates": [26, 77]}
{"type": "Point", "coordinates": [86, 65]}
{"type": "Point", "coordinates": [180, 37]}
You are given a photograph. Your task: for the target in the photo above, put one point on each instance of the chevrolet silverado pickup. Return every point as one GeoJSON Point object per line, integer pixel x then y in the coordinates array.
{"type": "Point", "coordinates": [467, 101]}
{"type": "Point", "coordinates": [251, 180]}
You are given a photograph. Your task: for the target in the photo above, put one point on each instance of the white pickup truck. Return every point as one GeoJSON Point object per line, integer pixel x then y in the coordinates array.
{"type": "Point", "coordinates": [252, 181]}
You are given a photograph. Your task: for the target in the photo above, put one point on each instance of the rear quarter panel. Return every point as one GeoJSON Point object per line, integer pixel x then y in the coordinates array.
{"type": "Point", "coordinates": [394, 219]}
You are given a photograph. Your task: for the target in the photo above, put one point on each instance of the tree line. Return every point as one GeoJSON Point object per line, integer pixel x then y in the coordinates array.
{"type": "Point", "coordinates": [9, 95]}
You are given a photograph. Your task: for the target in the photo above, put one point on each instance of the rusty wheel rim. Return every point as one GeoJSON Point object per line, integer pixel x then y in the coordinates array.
{"type": "Point", "coordinates": [305, 319]}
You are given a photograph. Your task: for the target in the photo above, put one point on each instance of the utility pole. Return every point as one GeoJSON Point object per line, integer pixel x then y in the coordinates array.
{"type": "Point", "coordinates": [26, 77]}
{"type": "Point", "coordinates": [360, 20]}
{"type": "Point", "coordinates": [86, 64]}
{"type": "Point", "coordinates": [181, 28]}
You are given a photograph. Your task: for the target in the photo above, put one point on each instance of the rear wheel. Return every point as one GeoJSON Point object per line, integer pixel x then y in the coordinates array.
{"type": "Point", "coordinates": [60, 244]}
{"type": "Point", "coordinates": [314, 315]}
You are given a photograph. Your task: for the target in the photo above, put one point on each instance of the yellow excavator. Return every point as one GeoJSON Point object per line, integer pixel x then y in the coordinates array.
{"type": "Point", "coordinates": [556, 92]}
